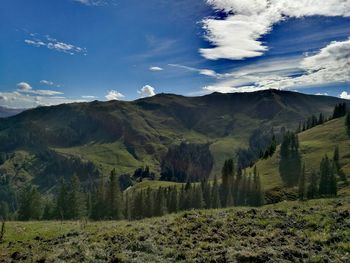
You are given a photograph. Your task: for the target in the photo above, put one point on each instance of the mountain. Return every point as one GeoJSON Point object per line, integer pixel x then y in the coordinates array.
{"type": "Point", "coordinates": [43, 144]}
{"type": "Point", "coordinates": [8, 112]}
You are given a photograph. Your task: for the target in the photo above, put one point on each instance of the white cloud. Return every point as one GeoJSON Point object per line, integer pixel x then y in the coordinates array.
{"type": "Point", "coordinates": [93, 2]}
{"type": "Point", "coordinates": [321, 94]}
{"type": "Point", "coordinates": [24, 86]}
{"type": "Point", "coordinates": [345, 95]}
{"type": "Point", "coordinates": [54, 44]}
{"type": "Point", "coordinates": [88, 97]}
{"type": "Point", "coordinates": [2, 97]}
{"type": "Point", "coordinates": [114, 95]}
{"type": "Point", "coordinates": [47, 82]}
{"type": "Point", "coordinates": [156, 69]}
{"type": "Point", "coordinates": [23, 100]}
{"type": "Point", "coordinates": [238, 35]}
{"type": "Point", "coordinates": [330, 65]}
{"type": "Point", "coordinates": [146, 91]}
{"type": "Point", "coordinates": [205, 72]}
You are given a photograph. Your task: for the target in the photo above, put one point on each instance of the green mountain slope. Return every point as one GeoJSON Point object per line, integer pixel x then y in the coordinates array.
{"type": "Point", "coordinates": [45, 143]}
{"type": "Point", "coordinates": [314, 144]}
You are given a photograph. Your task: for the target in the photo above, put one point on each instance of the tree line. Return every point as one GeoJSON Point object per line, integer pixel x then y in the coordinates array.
{"type": "Point", "coordinates": [340, 110]}
{"type": "Point", "coordinates": [324, 182]}
{"type": "Point", "coordinates": [106, 201]}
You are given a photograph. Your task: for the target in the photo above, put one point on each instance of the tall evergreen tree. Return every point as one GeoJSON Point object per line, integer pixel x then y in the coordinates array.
{"type": "Point", "coordinates": [328, 181]}
{"type": "Point", "coordinates": [301, 189]}
{"type": "Point", "coordinates": [227, 182]}
{"type": "Point", "coordinates": [257, 194]}
{"type": "Point", "coordinates": [290, 159]}
{"type": "Point", "coordinates": [114, 201]}
{"type": "Point", "coordinates": [215, 195]}
{"type": "Point", "coordinates": [62, 202]}
{"type": "Point", "coordinates": [99, 207]}
{"type": "Point", "coordinates": [77, 203]}
{"type": "Point", "coordinates": [312, 189]}
{"type": "Point", "coordinates": [30, 204]}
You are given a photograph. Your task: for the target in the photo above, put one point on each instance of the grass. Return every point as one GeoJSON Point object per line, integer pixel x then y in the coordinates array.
{"type": "Point", "coordinates": [311, 231]}
{"type": "Point", "coordinates": [314, 144]}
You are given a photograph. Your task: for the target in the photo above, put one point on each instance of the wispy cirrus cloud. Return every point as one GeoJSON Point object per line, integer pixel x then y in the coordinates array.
{"type": "Point", "coordinates": [53, 44]}
{"type": "Point", "coordinates": [95, 2]}
{"type": "Point", "coordinates": [238, 35]}
{"type": "Point", "coordinates": [330, 65]}
{"type": "Point", "coordinates": [155, 68]}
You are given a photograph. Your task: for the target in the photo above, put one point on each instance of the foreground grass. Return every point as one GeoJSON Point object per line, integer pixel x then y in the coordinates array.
{"type": "Point", "coordinates": [312, 231]}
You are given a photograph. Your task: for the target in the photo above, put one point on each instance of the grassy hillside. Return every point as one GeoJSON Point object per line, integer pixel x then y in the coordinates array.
{"type": "Point", "coordinates": [127, 135]}
{"type": "Point", "coordinates": [314, 144]}
{"type": "Point", "coordinates": [311, 231]}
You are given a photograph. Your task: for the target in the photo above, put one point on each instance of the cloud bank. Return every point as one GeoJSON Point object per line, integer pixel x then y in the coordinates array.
{"type": "Point", "coordinates": [238, 35]}
{"type": "Point", "coordinates": [329, 65]}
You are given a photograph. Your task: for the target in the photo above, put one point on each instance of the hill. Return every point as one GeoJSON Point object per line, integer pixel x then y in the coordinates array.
{"type": "Point", "coordinates": [40, 145]}
{"type": "Point", "coordinates": [314, 144]}
{"type": "Point", "coordinates": [310, 231]}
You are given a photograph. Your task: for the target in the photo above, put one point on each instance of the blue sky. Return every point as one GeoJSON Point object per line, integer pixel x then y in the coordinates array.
{"type": "Point", "coordinates": [79, 50]}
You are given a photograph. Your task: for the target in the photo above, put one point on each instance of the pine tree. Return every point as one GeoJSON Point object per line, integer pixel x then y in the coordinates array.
{"type": "Point", "coordinates": [301, 189]}
{"type": "Point", "coordinates": [160, 204]}
{"type": "Point", "coordinates": [206, 189]}
{"type": "Point", "coordinates": [215, 195]}
{"type": "Point", "coordinates": [99, 211]}
{"type": "Point", "coordinates": [114, 202]}
{"type": "Point", "coordinates": [227, 182]}
{"type": "Point", "coordinates": [332, 182]}
{"type": "Point", "coordinates": [4, 211]}
{"type": "Point", "coordinates": [77, 203]}
{"type": "Point", "coordinates": [290, 159]}
{"type": "Point", "coordinates": [30, 204]}
{"type": "Point", "coordinates": [173, 204]}
{"type": "Point", "coordinates": [198, 202]}
{"type": "Point", "coordinates": [62, 203]}
{"type": "Point", "coordinates": [312, 189]}
{"type": "Point", "coordinates": [257, 195]}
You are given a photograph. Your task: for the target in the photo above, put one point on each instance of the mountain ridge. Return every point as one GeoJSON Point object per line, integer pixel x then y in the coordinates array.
{"type": "Point", "coordinates": [127, 135]}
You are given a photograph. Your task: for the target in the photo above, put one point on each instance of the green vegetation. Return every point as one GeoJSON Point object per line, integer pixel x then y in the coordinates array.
{"type": "Point", "coordinates": [314, 144]}
{"type": "Point", "coordinates": [90, 139]}
{"type": "Point", "coordinates": [311, 231]}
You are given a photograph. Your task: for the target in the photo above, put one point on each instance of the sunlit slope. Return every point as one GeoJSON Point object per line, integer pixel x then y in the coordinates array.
{"type": "Point", "coordinates": [314, 144]}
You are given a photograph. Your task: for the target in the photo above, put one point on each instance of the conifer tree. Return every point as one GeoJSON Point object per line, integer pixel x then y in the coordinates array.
{"type": "Point", "coordinates": [312, 189]}
{"type": "Point", "coordinates": [99, 211]}
{"type": "Point", "coordinates": [290, 159]}
{"type": "Point", "coordinates": [257, 195]}
{"type": "Point", "coordinates": [77, 204]}
{"type": "Point", "coordinates": [197, 200]}
{"type": "Point", "coordinates": [347, 123]}
{"type": "Point", "coordinates": [215, 195]}
{"type": "Point", "coordinates": [62, 203]}
{"type": "Point", "coordinates": [206, 189]}
{"type": "Point", "coordinates": [114, 197]}
{"type": "Point", "coordinates": [301, 189]}
{"type": "Point", "coordinates": [173, 203]}
{"type": "Point", "coordinates": [30, 204]}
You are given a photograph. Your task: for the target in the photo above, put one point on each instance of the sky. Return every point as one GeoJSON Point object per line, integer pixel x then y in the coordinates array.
{"type": "Point", "coordinates": [62, 51]}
